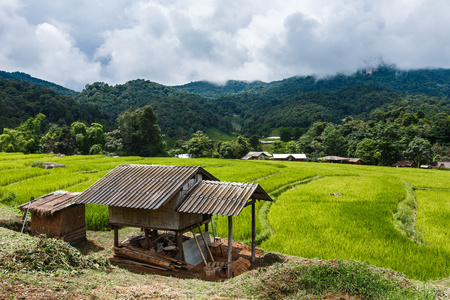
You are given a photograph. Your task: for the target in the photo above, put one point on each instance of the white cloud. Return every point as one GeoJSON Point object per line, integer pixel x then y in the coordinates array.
{"type": "Point", "coordinates": [174, 42]}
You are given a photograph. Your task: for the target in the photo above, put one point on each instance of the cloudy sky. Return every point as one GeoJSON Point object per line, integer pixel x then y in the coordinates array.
{"type": "Point", "coordinates": [74, 43]}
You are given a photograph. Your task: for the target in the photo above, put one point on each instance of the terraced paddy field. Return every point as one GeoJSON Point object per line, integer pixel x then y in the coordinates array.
{"type": "Point", "coordinates": [394, 218]}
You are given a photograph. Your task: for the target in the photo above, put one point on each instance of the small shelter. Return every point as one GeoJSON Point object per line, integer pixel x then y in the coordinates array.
{"type": "Point", "coordinates": [56, 216]}
{"type": "Point", "coordinates": [404, 164]}
{"type": "Point", "coordinates": [440, 165]}
{"type": "Point", "coordinates": [257, 156]}
{"type": "Point", "coordinates": [340, 160]}
{"type": "Point", "coordinates": [174, 198]}
{"type": "Point", "coordinates": [290, 157]}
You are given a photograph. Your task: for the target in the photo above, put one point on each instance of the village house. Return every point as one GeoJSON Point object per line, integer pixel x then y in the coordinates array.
{"type": "Point", "coordinates": [257, 156]}
{"type": "Point", "coordinates": [341, 160]}
{"type": "Point", "coordinates": [172, 198]}
{"type": "Point", "coordinates": [290, 157]}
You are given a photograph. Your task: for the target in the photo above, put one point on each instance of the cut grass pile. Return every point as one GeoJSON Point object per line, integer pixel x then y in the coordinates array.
{"type": "Point", "coordinates": [21, 252]}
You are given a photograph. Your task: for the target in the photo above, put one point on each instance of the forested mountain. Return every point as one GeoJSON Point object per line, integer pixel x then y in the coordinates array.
{"type": "Point", "coordinates": [252, 107]}
{"type": "Point", "coordinates": [25, 77]}
{"type": "Point", "coordinates": [430, 82]}
{"type": "Point", "coordinates": [20, 100]}
{"type": "Point", "coordinates": [179, 113]}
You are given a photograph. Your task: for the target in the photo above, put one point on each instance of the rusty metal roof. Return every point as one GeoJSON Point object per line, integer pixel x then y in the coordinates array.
{"type": "Point", "coordinates": [221, 198]}
{"type": "Point", "coordinates": [140, 186]}
{"type": "Point", "coordinates": [50, 203]}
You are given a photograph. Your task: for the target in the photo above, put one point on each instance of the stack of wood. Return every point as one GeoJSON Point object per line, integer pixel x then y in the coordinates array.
{"type": "Point", "coordinates": [132, 255]}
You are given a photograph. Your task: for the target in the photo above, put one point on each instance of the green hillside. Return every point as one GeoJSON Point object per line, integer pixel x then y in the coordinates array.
{"type": "Point", "coordinates": [25, 77]}
{"type": "Point", "coordinates": [179, 113]}
{"type": "Point", "coordinates": [20, 100]}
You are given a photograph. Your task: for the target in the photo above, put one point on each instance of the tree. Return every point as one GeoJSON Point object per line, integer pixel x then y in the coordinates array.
{"type": "Point", "coordinates": [140, 134]}
{"type": "Point", "coordinates": [285, 134]}
{"type": "Point", "coordinates": [240, 147]}
{"type": "Point", "coordinates": [254, 143]}
{"type": "Point", "coordinates": [367, 151]}
{"type": "Point", "coordinates": [200, 145]}
{"type": "Point", "coordinates": [225, 150]}
{"type": "Point", "coordinates": [419, 149]}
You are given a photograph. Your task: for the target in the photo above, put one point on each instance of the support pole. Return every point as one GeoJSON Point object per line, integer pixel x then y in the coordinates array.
{"type": "Point", "coordinates": [253, 231]}
{"type": "Point", "coordinates": [206, 244]}
{"type": "Point", "coordinates": [26, 214]}
{"type": "Point", "coordinates": [230, 246]}
{"type": "Point", "coordinates": [116, 236]}
{"type": "Point", "coordinates": [146, 239]}
{"type": "Point", "coordinates": [180, 245]}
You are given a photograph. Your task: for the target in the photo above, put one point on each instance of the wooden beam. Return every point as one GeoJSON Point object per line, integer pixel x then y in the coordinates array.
{"type": "Point", "coordinates": [198, 246]}
{"type": "Point", "coordinates": [116, 236]}
{"type": "Point", "coordinates": [253, 231]}
{"type": "Point", "coordinates": [206, 244]}
{"type": "Point", "coordinates": [230, 246]}
{"type": "Point", "coordinates": [180, 245]}
{"type": "Point", "coordinates": [146, 239]}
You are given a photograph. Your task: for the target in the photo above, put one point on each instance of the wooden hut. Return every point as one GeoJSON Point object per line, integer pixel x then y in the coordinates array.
{"type": "Point", "coordinates": [290, 157]}
{"type": "Point", "coordinates": [174, 198]}
{"type": "Point", "coordinates": [56, 216]}
{"type": "Point", "coordinates": [257, 156]}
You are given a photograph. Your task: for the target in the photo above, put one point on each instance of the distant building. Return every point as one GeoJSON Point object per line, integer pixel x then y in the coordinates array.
{"type": "Point", "coordinates": [290, 157]}
{"type": "Point", "coordinates": [404, 164]}
{"type": "Point", "coordinates": [440, 164]}
{"type": "Point", "coordinates": [340, 160]}
{"type": "Point", "coordinates": [184, 155]}
{"type": "Point", "coordinates": [257, 156]}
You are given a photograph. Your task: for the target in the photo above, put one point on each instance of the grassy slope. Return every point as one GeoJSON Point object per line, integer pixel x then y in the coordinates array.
{"type": "Point", "coordinates": [306, 221]}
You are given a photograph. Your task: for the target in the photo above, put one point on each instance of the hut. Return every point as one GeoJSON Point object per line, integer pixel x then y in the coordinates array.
{"type": "Point", "coordinates": [171, 198]}
{"type": "Point", "coordinates": [257, 156]}
{"type": "Point", "coordinates": [290, 157]}
{"type": "Point", "coordinates": [404, 164]}
{"type": "Point", "coordinates": [341, 160]}
{"type": "Point", "coordinates": [56, 216]}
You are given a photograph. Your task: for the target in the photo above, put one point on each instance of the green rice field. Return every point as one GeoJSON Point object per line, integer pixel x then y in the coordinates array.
{"type": "Point", "coordinates": [356, 223]}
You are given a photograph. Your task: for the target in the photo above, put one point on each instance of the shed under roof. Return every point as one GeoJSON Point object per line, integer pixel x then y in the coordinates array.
{"type": "Point", "coordinates": [140, 186]}
{"type": "Point", "coordinates": [50, 203]}
{"type": "Point", "coordinates": [221, 198]}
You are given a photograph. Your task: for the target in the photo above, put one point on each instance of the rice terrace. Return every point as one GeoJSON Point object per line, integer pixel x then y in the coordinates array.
{"type": "Point", "coordinates": [391, 218]}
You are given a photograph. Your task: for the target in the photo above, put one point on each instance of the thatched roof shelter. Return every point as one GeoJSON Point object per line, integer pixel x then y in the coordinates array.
{"type": "Point", "coordinates": [56, 215]}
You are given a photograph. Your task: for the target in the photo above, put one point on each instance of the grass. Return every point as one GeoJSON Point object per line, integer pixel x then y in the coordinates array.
{"type": "Point", "coordinates": [305, 220]}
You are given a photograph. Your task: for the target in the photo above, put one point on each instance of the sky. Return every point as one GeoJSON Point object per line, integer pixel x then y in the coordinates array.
{"type": "Point", "coordinates": [173, 42]}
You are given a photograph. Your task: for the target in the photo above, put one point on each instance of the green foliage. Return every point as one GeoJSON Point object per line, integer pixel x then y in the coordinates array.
{"type": "Point", "coordinates": [20, 100]}
{"type": "Point", "coordinates": [140, 133]}
{"type": "Point", "coordinates": [200, 145]}
{"type": "Point", "coordinates": [179, 113]}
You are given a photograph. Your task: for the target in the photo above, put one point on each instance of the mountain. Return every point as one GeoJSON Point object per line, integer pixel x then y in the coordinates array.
{"type": "Point", "coordinates": [429, 82]}
{"type": "Point", "coordinates": [20, 100]}
{"type": "Point", "coordinates": [25, 77]}
{"type": "Point", "coordinates": [179, 113]}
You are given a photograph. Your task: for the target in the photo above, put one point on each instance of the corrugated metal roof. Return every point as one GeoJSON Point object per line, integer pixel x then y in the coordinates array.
{"type": "Point", "coordinates": [293, 155]}
{"type": "Point", "coordinates": [221, 198]}
{"type": "Point", "coordinates": [140, 186]}
{"type": "Point", "coordinates": [256, 154]}
{"type": "Point", "coordinates": [50, 203]}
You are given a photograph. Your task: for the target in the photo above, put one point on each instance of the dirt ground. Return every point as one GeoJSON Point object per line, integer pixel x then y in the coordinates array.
{"type": "Point", "coordinates": [238, 250]}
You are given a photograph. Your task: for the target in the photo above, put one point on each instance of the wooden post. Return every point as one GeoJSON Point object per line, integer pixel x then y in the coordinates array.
{"type": "Point", "coordinates": [206, 227]}
{"type": "Point", "coordinates": [253, 231]}
{"type": "Point", "coordinates": [116, 236]}
{"type": "Point", "coordinates": [146, 240]}
{"type": "Point", "coordinates": [230, 246]}
{"type": "Point", "coordinates": [180, 245]}
{"type": "Point", "coordinates": [198, 246]}
{"type": "Point", "coordinates": [206, 244]}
